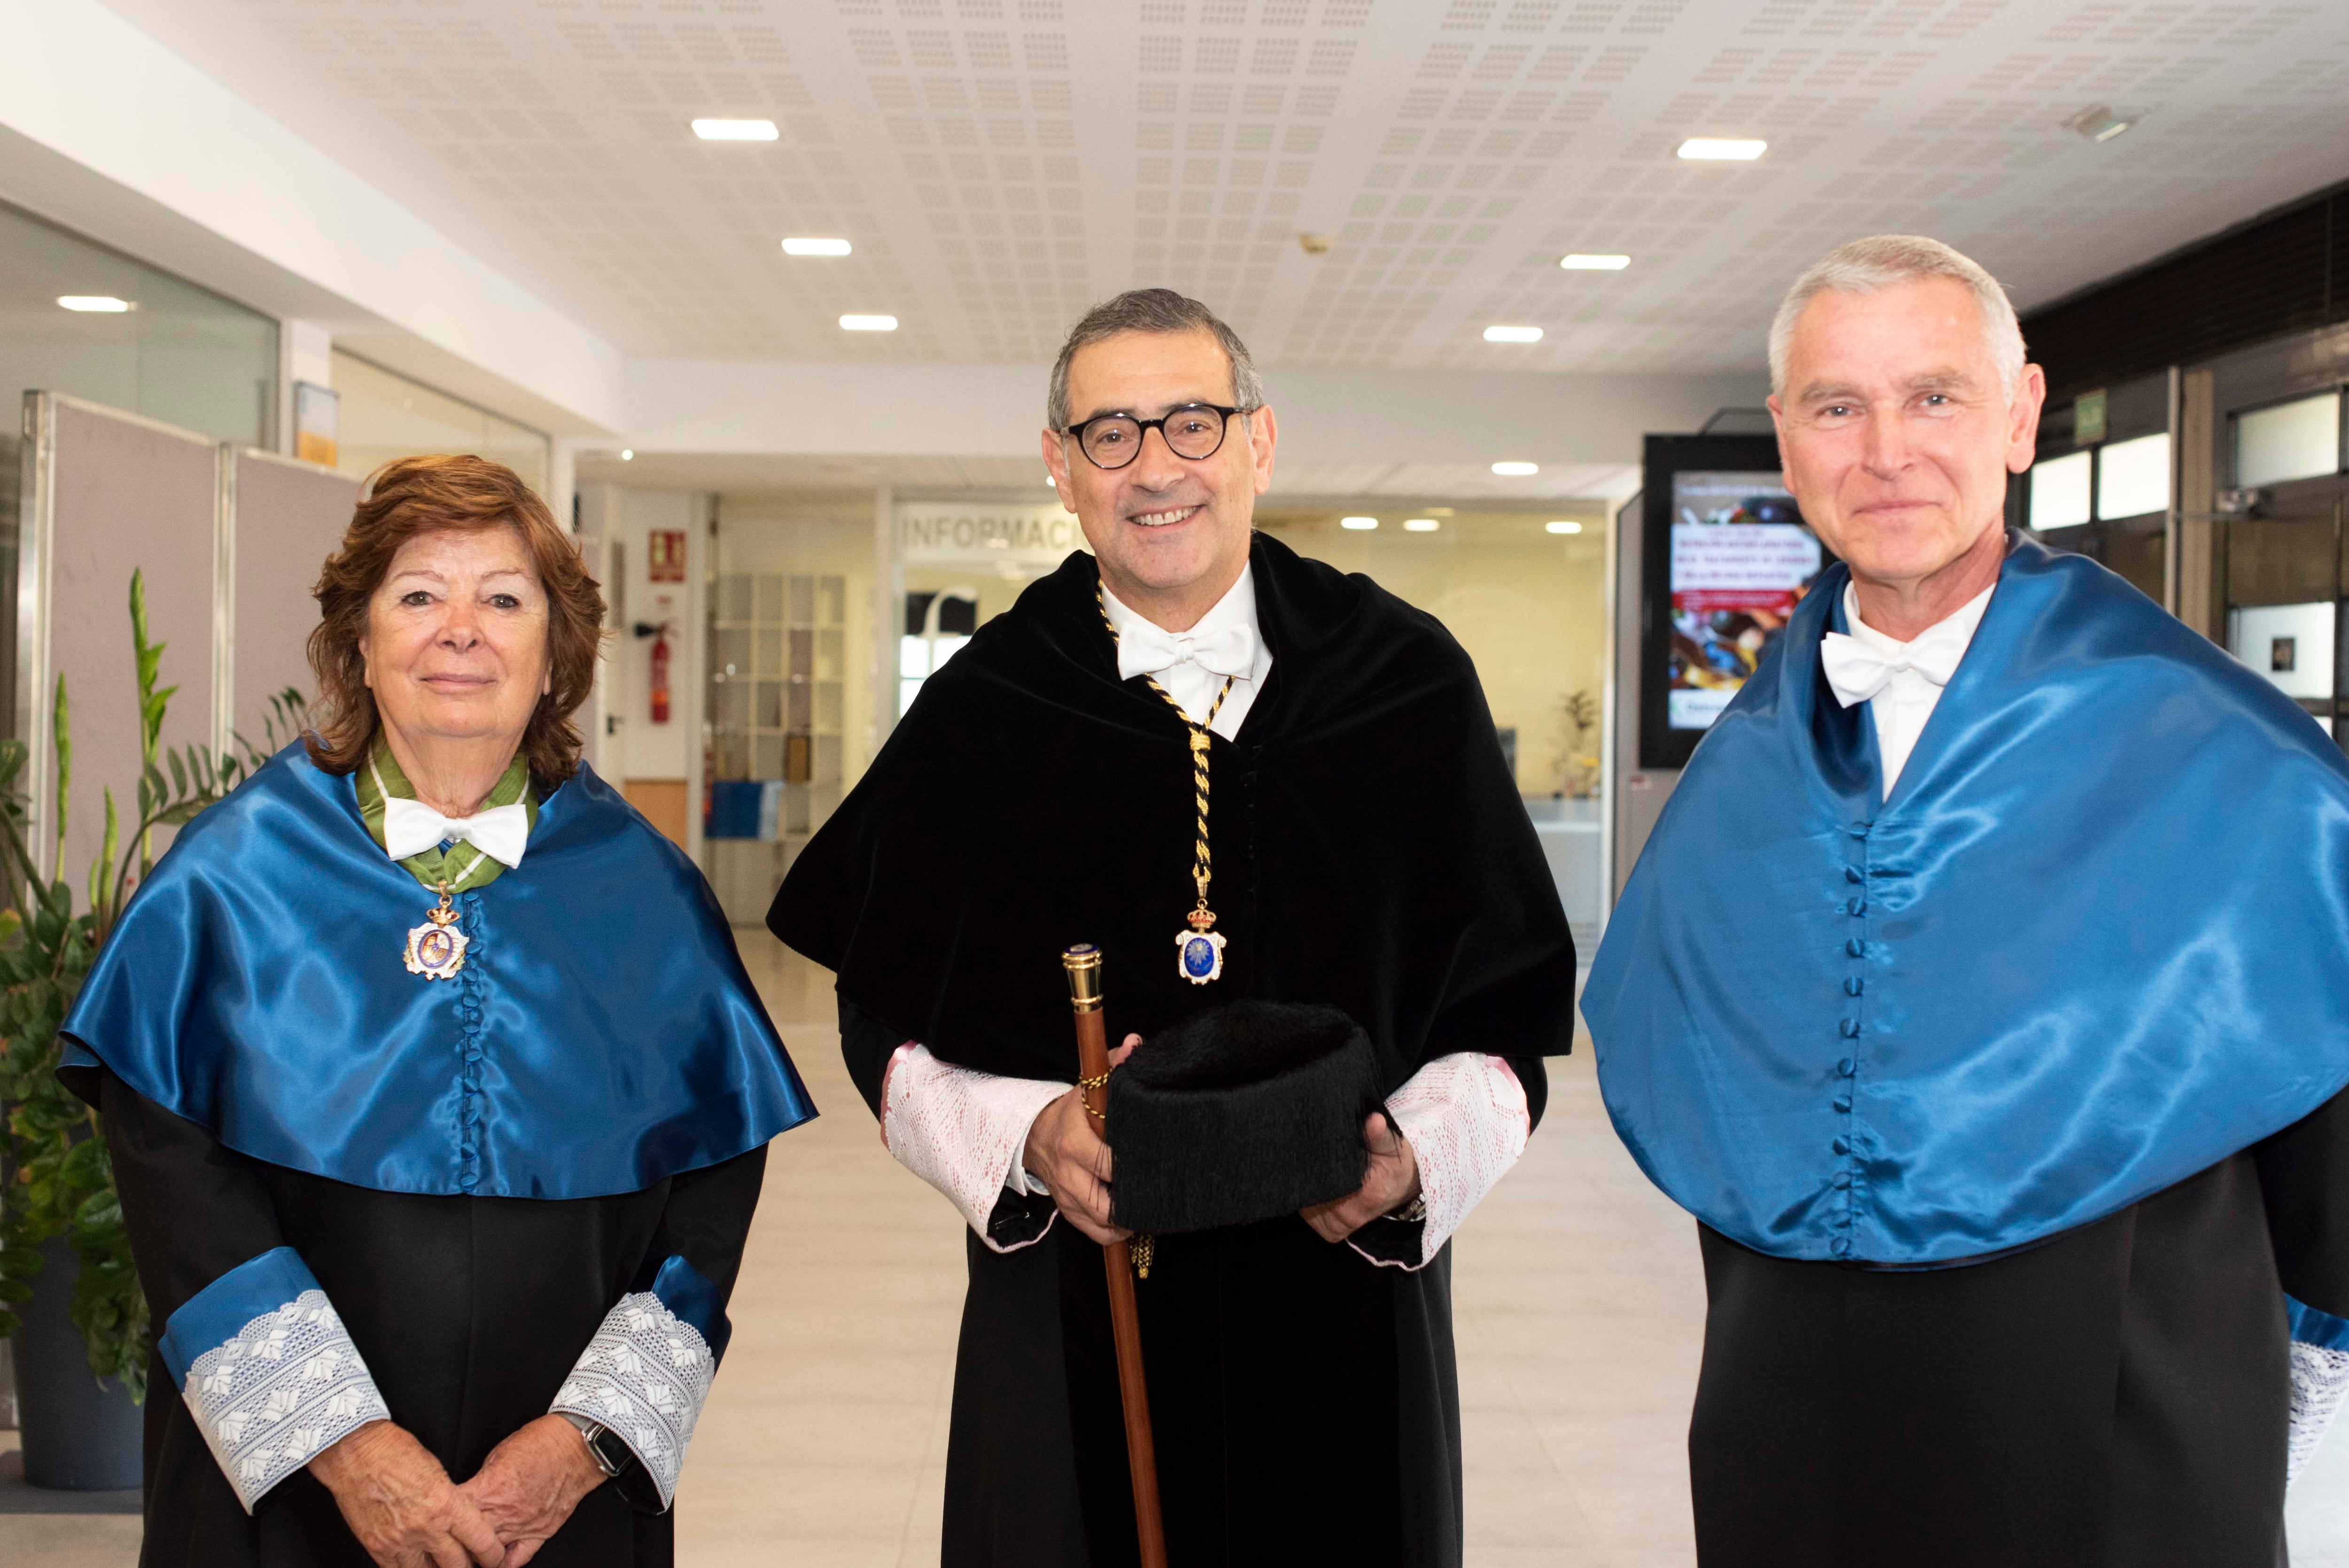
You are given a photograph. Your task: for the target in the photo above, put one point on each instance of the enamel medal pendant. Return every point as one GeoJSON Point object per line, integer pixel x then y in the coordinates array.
{"type": "Point", "coordinates": [436, 949]}
{"type": "Point", "coordinates": [1199, 952]}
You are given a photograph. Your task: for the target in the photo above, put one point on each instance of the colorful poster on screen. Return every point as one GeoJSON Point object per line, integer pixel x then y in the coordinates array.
{"type": "Point", "coordinates": [1741, 560]}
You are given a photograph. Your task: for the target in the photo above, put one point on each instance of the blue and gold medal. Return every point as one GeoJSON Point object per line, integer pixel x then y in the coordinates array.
{"type": "Point", "coordinates": [436, 949]}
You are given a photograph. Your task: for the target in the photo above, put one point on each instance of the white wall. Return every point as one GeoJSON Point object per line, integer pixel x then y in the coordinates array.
{"type": "Point", "coordinates": [641, 749]}
{"type": "Point", "coordinates": [1328, 418]}
{"type": "Point", "coordinates": [105, 131]}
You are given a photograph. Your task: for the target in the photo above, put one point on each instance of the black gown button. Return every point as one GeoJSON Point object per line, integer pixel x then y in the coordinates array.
{"type": "Point", "coordinates": [1856, 947]}
{"type": "Point", "coordinates": [1843, 1146]}
{"type": "Point", "coordinates": [1843, 1179]}
{"type": "Point", "coordinates": [1851, 1028]}
{"type": "Point", "coordinates": [1842, 1103]}
{"type": "Point", "coordinates": [1851, 873]}
{"type": "Point", "coordinates": [1847, 1066]}
{"type": "Point", "coordinates": [1856, 906]}
{"type": "Point", "coordinates": [1841, 1246]}
{"type": "Point", "coordinates": [1853, 985]}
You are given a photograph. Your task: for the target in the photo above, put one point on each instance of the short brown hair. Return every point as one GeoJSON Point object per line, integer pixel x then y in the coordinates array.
{"type": "Point", "coordinates": [412, 496]}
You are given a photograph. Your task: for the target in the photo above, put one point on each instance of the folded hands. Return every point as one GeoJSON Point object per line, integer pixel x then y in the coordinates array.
{"type": "Point", "coordinates": [403, 1508]}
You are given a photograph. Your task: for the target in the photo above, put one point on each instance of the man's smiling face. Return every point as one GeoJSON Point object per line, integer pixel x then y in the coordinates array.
{"type": "Point", "coordinates": [1171, 533]}
{"type": "Point", "coordinates": [1896, 430]}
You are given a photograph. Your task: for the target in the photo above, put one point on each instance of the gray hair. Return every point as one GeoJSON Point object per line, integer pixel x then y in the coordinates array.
{"type": "Point", "coordinates": [1152, 310]}
{"type": "Point", "coordinates": [1881, 260]}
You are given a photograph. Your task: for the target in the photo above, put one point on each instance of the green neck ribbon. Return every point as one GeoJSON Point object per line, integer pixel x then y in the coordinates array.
{"type": "Point", "coordinates": [463, 867]}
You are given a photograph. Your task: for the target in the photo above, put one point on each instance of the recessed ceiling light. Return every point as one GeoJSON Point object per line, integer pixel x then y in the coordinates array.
{"type": "Point", "coordinates": [816, 247]}
{"type": "Point", "coordinates": [2102, 124]}
{"type": "Point", "coordinates": [1358, 523]}
{"type": "Point", "coordinates": [1562, 526]}
{"type": "Point", "coordinates": [627, 454]}
{"type": "Point", "coordinates": [1722, 149]}
{"type": "Point", "coordinates": [1512, 334]}
{"type": "Point", "coordinates": [103, 304]}
{"type": "Point", "coordinates": [1420, 525]}
{"type": "Point", "coordinates": [735, 130]}
{"type": "Point", "coordinates": [1517, 471]}
{"type": "Point", "coordinates": [868, 324]}
{"type": "Point", "coordinates": [1580, 262]}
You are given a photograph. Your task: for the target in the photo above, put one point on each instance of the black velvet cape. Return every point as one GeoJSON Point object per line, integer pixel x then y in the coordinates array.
{"type": "Point", "coordinates": [1371, 854]}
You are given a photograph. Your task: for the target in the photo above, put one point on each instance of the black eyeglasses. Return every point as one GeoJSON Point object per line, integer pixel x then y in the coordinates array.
{"type": "Point", "coordinates": [1194, 430]}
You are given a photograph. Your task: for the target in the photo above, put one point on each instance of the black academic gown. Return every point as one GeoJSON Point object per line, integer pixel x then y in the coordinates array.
{"type": "Point", "coordinates": [2117, 1396]}
{"type": "Point", "coordinates": [468, 1312]}
{"type": "Point", "coordinates": [1370, 853]}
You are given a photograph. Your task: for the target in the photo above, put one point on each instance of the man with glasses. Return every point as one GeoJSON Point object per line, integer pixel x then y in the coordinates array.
{"type": "Point", "coordinates": [1247, 779]}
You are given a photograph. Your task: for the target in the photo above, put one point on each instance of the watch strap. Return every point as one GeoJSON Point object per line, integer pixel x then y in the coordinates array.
{"type": "Point", "coordinates": [612, 1455]}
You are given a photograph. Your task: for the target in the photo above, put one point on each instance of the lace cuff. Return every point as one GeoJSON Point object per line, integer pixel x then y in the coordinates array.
{"type": "Point", "coordinates": [2320, 1379]}
{"type": "Point", "coordinates": [962, 1131]}
{"type": "Point", "coordinates": [268, 1371]}
{"type": "Point", "coordinates": [646, 1374]}
{"type": "Point", "coordinates": [1466, 1118]}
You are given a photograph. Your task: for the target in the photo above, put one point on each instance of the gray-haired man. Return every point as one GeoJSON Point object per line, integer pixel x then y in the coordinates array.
{"type": "Point", "coordinates": [2006, 1097]}
{"type": "Point", "coordinates": [1248, 779]}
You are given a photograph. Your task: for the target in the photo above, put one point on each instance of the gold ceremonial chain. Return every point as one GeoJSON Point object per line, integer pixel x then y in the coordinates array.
{"type": "Point", "coordinates": [1199, 952]}
{"type": "Point", "coordinates": [1099, 1082]}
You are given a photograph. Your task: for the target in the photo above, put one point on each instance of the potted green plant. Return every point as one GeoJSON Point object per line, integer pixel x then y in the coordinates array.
{"type": "Point", "coordinates": [68, 1287]}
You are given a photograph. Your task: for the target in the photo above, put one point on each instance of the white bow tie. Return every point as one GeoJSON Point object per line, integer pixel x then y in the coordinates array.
{"type": "Point", "coordinates": [1857, 672]}
{"type": "Point", "coordinates": [1146, 649]}
{"type": "Point", "coordinates": [411, 827]}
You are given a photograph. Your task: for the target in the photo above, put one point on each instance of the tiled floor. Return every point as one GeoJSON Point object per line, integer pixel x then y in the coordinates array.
{"type": "Point", "coordinates": [1580, 1308]}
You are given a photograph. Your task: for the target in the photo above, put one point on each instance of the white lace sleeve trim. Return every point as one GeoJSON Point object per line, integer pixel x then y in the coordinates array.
{"type": "Point", "coordinates": [962, 1131]}
{"type": "Point", "coordinates": [644, 1377]}
{"type": "Point", "coordinates": [2320, 1379]}
{"type": "Point", "coordinates": [1467, 1120]}
{"type": "Point", "coordinates": [288, 1387]}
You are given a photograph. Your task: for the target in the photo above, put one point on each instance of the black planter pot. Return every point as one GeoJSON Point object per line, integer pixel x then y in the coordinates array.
{"type": "Point", "coordinates": [81, 1433]}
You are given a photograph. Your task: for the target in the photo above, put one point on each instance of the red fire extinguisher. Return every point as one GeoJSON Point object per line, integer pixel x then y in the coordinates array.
{"type": "Point", "coordinates": [661, 675]}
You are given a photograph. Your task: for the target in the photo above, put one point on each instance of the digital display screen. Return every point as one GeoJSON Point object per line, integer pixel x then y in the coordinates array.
{"type": "Point", "coordinates": [1741, 558]}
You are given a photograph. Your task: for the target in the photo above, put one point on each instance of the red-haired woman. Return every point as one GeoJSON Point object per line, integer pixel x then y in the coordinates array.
{"type": "Point", "coordinates": [437, 1095]}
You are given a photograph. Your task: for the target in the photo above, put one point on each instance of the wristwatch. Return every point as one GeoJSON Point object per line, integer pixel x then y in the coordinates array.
{"type": "Point", "coordinates": [612, 1455]}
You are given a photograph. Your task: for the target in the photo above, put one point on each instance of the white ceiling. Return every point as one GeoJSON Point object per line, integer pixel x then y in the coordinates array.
{"type": "Point", "coordinates": [1298, 483]}
{"type": "Point", "coordinates": [1001, 163]}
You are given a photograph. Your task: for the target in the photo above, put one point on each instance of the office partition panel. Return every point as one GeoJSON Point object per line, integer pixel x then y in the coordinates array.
{"type": "Point", "coordinates": [106, 494]}
{"type": "Point", "coordinates": [288, 517]}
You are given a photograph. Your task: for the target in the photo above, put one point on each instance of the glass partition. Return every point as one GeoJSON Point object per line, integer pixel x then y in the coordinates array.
{"type": "Point", "coordinates": [78, 319]}
{"type": "Point", "coordinates": [384, 414]}
{"type": "Point", "coordinates": [2295, 440]}
{"type": "Point", "coordinates": [2133, 476]}
{"type": "Point", "coordinates": [2059, 492]}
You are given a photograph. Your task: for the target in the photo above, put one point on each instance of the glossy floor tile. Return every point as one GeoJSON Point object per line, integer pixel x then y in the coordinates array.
{"type": "Point", "coordinates": [1579, 1303]}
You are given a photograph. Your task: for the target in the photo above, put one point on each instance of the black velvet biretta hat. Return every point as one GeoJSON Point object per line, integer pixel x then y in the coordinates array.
{"type": "Point", "coordinates": [1241, 1112]}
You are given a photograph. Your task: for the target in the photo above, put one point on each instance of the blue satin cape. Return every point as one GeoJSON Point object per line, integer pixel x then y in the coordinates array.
{"type": "Point", "coordinates": [2096, 941]}
{"type": "Point", "coordinates": [601, 1037]}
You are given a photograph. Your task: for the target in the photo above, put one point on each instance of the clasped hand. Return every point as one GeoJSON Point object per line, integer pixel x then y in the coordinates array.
{"type": "Point", "coordinates": [404, 1510]}
{"type": "Point", "coordinates": [1066, 1152]}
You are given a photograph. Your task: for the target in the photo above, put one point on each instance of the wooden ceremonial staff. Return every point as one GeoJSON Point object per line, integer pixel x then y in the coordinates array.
{"type": "Point", "coordinates": [1083, 964]}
